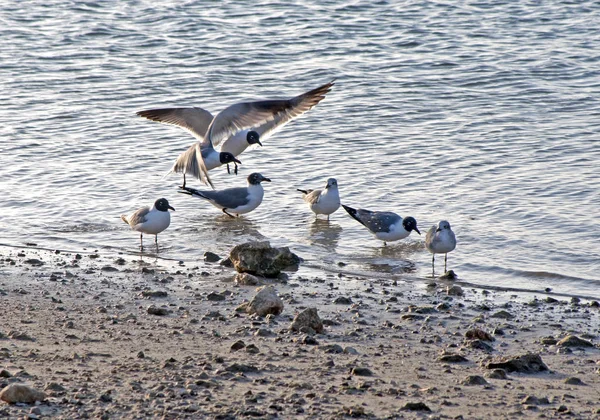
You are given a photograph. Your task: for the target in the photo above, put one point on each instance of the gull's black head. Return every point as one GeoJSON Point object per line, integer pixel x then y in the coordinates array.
{"type": "Point", "coordinates": [256, 178]}
{"type": "Point", "coordinates": [253, 138]}
{"type": "Point", "coordinates": [409, 223]}
{"type": "Point", "coordinates": [226, 157]}
{"type": "Point", "coordinates": [162, 205]}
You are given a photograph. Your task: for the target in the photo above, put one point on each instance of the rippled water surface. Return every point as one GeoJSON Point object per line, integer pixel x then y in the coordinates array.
{"type": "Point", "coordinates": [482, 113]}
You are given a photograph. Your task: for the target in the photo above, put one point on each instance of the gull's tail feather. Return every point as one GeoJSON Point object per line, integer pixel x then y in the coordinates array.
{"type": "Point", "coordinates": [192, 192]}
{"type": "Point", "coordinates": [353, 213]}
{"type": "Point", "coordinates": [190, 162]}
{"type": "Point", "coordinates": [302, 191]}
{"type": "Point", "coordinates": [124, 218]}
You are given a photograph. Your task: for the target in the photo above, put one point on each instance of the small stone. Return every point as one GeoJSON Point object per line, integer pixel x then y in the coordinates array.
{"type": "Point", "coordinates": [5, 374]}
{"type": "Point", "coordinates": [574, 341]}
{"type": "Point", "coordinates": [19, 393]}
{"type": "Point", "coordinates": [480, 345]}
{"type": "Point", "coordinates": [502, 314]}
{"type": "Point", "coordinates": [140, 355]}
{"type": "Point", "coordinates": [361, 371]}
{"type": "Point", "coordinates": [238, 345]}
{"type": "Point", "coordinates": [246, 279]}
{"type": "Point", "coordinates": [308, 318]}
{"type": "Point", "coordinates": [260, 258]}
{"type": "Point", "coordinates": [533, 400]}
{"type": "Point", "coordinates": [215, 297]}
{"type": "Point", "coordinates": [452, 358]}
{"type": "Point", "coordinates": [54, 387]}
{"type": "Point", "coordinates": [448, 275]}
{"type": "Point", "coordinates": [154, 293]}
{"type": "Point", "coordinates": [34, 262]}
{"type": "Point", "coordinates": [252, 349]}
{"type": "Point", "coordinates": [109, 269]}
{"type": "Point", "coordinates": [155, 310]}
{"type": "Point", "coordinates": [342, 300]}
{"type": "Point", "coordinates": [17, 335]}
{"type": "Point", "coordinates": [474, 380]}
{"type": "Point", "coordinates": [478, 334]}
{"type": "Point", "coordinates": [332, 348]}
{"type": "Point", "coordinates": [309, 340]}
{"type": "Point", "coordinates": [574, 381]}
{"type": "Point", "coordinates": [548, 341]}
{"type": "Point", "coordinates": [497, 374]}
{"type": "Point", "coordinates": [454, 290]}
{"type": "Point", "coordinates": [265, 302]}
{"type": "Point", "coordinates": [418, 406]}
{"type": "Point", "coordinates": [211, 257]}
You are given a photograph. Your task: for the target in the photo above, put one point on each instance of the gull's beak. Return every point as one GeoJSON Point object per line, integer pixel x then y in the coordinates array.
{"type": "Point", "coordinates": [438, 230]}
{"type": "Point", "coordinates": [266, 179]}
{"type": "Point", "coordinates": [237, 161]}
{"type": "Point", "coordinates": [259, 143]}
{"type": "Point", "coordinates": [417, 230]}
{"type": "Point", "coordinates": [171, 208]}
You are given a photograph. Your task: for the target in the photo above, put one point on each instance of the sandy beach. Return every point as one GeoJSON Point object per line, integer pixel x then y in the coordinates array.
{"type": "Point", "coordinates": [130, 337]}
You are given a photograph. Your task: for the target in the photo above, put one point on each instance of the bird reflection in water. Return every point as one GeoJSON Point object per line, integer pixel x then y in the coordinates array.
{"type": "Point", "coordinates": [324, 233]}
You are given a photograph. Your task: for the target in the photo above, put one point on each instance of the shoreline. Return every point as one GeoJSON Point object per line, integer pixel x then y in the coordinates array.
{"type": "Point", "coordinates": [88, 341]}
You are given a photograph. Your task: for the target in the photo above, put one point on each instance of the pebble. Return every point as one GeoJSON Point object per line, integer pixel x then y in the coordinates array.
{"type": "Point", "coordinates": [474, 380]}
{"type": "Point", "coordinates": [361, 371]}
{"type": "Point", "coordinates": [155, 310]}
{"type": "Point", "coordinates": [309, 318]}
{"type": "Point", "coordinates": [574, 341]}
{"type": "Point", "coordinates": [211, 257]}
{"type": "Point", "coordinates": [574, 381]}
{"type": "Point", "coordinates": [454, 290]}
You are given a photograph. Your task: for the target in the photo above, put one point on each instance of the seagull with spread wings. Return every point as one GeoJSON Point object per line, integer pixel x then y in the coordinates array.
{"type": "Point", "coordinates": [235, 128]}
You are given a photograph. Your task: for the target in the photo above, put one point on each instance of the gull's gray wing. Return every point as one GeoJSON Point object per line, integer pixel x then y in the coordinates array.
{"type": "Point", "coordinates": [430, 237]}
{"type": "Point", "coordinates": [299, 105]}
{"type": "Point", "coordinates": [229, 198]}
{"type": "Point", "coordinates": [194, 120]}
{"type": "Point", "coordinates": [377, 221]}
{"type": "Point", "coordinates": [273, 113]}
{"type": "Point", "coordinates": [139, 216]}
{"type": "Point", "coordinates": [312, 196]}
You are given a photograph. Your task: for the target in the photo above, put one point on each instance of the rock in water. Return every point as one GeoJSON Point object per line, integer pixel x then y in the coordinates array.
{"type": "Point", "coordinates": [260, 259]}
{"type": "Point", "coordinates": [19, 393]}
{"type": "Point", "coordinates": [264, 303]}
{"type": "Point", "coordinates": [309, 318]}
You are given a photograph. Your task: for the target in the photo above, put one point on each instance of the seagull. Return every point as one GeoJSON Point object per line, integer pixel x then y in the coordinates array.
{"type": "Point", "coordinates": [325, 201]}
{"type": "Point", "coordinates": [234, 200]}
{"type": "Point", "coordinates": [440, 240]}
{"type": "Point", "coordinates": [150, 220]}
{"type": "Point", "coordinates": [385, 225]}
{"type": "Point", "coordinates": [236, 127]}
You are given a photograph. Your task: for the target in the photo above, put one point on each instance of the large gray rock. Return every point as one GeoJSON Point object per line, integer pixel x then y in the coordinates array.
{"type": "Point", "coordinates": [264, 303]}
{"type": "Point", "coordinates": [19, 393]}
{"type": "Point", "coordinates": [306, 320]}
{"type": "Point", "coordinates": [261, 259]}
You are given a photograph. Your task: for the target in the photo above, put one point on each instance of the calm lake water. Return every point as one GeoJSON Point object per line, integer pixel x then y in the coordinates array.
{"type": "Point", "coordinates": [483, 113]}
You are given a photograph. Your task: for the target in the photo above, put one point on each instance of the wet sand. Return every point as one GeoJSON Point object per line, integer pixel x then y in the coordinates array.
{"type": "Point", "coordinates": [123, 336]}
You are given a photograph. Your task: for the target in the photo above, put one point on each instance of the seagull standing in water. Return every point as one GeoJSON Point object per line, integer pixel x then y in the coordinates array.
{"type": "Point", "coordinates": [325, 201]}
{"type": "Point", "coordinates": [150, 220]}
{"type": "Point", "coordinates": [440, 240]}
{"type": "Point", "coordinates": [385, 225]}
{"type": "Point", "coordinates": [232, 201]}
{"type": "Point", "coordinates": [236, 127]}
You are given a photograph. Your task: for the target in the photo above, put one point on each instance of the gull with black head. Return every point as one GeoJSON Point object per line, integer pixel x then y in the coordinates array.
{"type": "Point", "coordinates": [151, 220]}
{"type": "Point", "coordinates": [325, 201]}
{"type": "Point", "coordinates": [235, 128]}
{"type": "Point", "coordinates": [385, 225]}
{"type": "Point", "coordinates": [440, 239]}
{"type": "Point", "coordinates": [232, 201]}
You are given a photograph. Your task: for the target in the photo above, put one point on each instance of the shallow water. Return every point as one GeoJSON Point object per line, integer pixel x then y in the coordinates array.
{"type": "Point", "coordinates": [484, 114]}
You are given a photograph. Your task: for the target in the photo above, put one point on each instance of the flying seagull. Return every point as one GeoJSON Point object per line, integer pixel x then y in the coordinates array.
{"type": "Point", "coordinates": [235, 128]}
